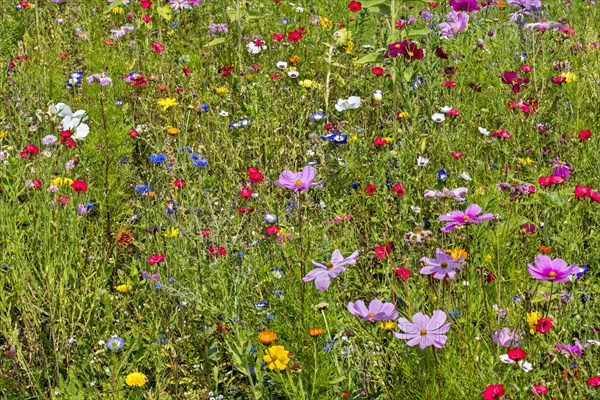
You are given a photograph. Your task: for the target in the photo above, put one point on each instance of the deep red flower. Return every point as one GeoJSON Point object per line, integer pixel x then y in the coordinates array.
{"type": "Point", "coordinates": [355, 6]}
{"type": "Point", "coordinates": [179, 183]}
{"type": "Point", "coordinates": [594, 381]}
{"type": "Point", "coordinates": [370, 189]}
{"type": "Point", "coordinates": [450, 84]}
{"type": "Point", "coordinates": [157, 47]}
{"type": "Point", "coordinates": [79, 186]}
{"type": "Point", "coordinates": [245, 193]}
{"type": "Point", "coordinates": [246, 210]}
{"type": "Point", "coordinates": [398, 189]}
{"type": "Point", "coordinates": [457, 155]}
{"type": "Point", "coordinates": [490, 277]}
{"type": "Point", "coordinates": [439, 52]}
{"type": "Point", "coordinates": [595, 196]}
{"type": "Point", "coordinates": [539, 389]}
{"type": "Point", "coordinates": [215, 251]}
{"type": "Point", "coordinates": [205, 233]}
{"type": "Point", "coordinates": [549, 181]}
{"type": "Point", "coordinates": [582, 191]}
{"type": "Point", "coordinates": [585, 135]}
{"type": "Point", "coordinates": [402, 272]}
{"type": "Point", "coordinates": [408, 49]}
{"type": "Point", "coordinates": [377, 71]}
{"type": "Point", "coordinates": [516, 354]}
{"type": "Point", "coordinates": [36, 183]}
{"type": "Point", "coordinates": [146, 3]}
{"type": "Point", "coordinates": [543, 325]}
{"type": "Point", "coordinates": [272, 230]}
{"type": "Point", "coordinates": [156, 258]}
{"type": "Point", "coordinates": [294, 36]}
{"type": "Point", "coordinates": [493, 392]}
{"type": "Point", "coordinates": [29, 151]}
{"type": "Point", "coordinates": [379, 141]}
{"type": "Point", "coordinates": [278, 37]}
{"type": "Point", "coordinates": [255, 175]}
{"type": "Point", "coordinates": [384, 251]}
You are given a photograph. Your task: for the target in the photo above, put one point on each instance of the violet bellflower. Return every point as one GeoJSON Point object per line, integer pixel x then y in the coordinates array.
{"type": "Point", "coordinates": [377, 311]}
{"type": "Point", "coordinates": [322, 274]}
{"type": "Point", "coordinates": [547, 269]}
{"type": "Point", "coordinates": [424, 330]}
{"type": "Point", "coordinates": [298, 181]}
{"type": "Point", "coordinates": [471, 215]}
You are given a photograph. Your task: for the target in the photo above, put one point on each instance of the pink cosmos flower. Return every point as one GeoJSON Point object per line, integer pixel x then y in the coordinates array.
{"type": "Point", "coordinates": [324, 273]}
{"type": "Point", "coordinates": [470, 215]}
{"type": "Point", "coordinates": [456, 194]}
{"type": "Point", "coordinates": [442, 266]}
{"type": "Point", "coordinates": [424, 330]}
{"type": "Point", "coordinates": [547, 269]}
{"type": "Point", "coordinates": [507, 337]}
{"type": "Point", "coordinates": [377, 310]}
{"type": "Point", "coordinates": [298, 181]}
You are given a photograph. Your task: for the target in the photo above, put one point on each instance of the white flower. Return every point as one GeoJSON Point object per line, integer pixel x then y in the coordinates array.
{"type": "Point", "coordinates": [293, 74]}
{"type": "Point", "coordinates": [73, 121]}
{"type": "Point", "coordinates": [484, 131]}
{"type": "Point", "coordinates": [525, 365]}
{"type": "Point", "coordinates": [378, 95]}
{"type": "Point", "coordinates": [465, 176]}
{"type": "Point", "coordinates": [224, 113]}
{"type": "Point", "coordinates": [282, 65]}
{"type": "Point", "coordinates": [255, 47]}
{"type": "Point", "coordinates": [446, 109]}
{"type": "Point", "coordinates": [438, 117]}
{"type": "Point", "coordinates": [422, 161]}
{"type": "Point", "coordinates": [415, 209]}
{"type": "Point", "coordinates": [351, 103]}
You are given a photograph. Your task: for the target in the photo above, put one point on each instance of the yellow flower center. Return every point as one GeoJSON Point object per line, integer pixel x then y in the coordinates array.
{"type": "Point", "coordinates": [371, 315]}
{"type": "Point", "coordinates": [397, 46]}
{"type": "Point", "coordinates": [298, 182]}
{"type": "Point", "coordinates": [444, 264]}
{"type": "Point", "coordinates": [410, 53]}
{"type": "Point", "coordinates": [465, 218]}
{"type": "Point", "coordinates": [329, 265]}
{"type": "Point", "coordinates": [552, 274]}
{"type": "Point", "coordinates": [423, 332]}
{"type": "Point", "coordinates": [274, 357]}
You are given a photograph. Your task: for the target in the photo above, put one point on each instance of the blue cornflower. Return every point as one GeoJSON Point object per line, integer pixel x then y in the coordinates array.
{"type": "Point", "coordinates": [174, 25]}
{"type": "Point", "coordinates": [204, 107]}
{"type": "Point", "coordinates": [158, 158]}
{"type": "Point", "coordinates": [442, 175]}
{"type": "Point", "coordinates": [290, 205]}
{"type": "Point", "coordinates": [115, 343]}
{"type": "Point", "coordinates": [329, 345]}
{"type": "Point", "coordinates": [318, 116]}
{"type": "Point", "coordinates": [270, 218]}
{"type": "Point", "coordinates": [143, 189]}
{"type": "Point", "coordinates": [261, 305]}
{"type": "Point", "coordinates": [417, 82]}
{"type": "Point", "coordinates": [355, 185]}
{"type": "Point", "coordinates": [454, 314]}
{"type": "Point", "coordinates": [582, 271]}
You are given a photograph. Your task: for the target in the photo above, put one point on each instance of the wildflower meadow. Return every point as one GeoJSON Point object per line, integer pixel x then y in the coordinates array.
{"type": "Point", "coordinates": [316, 199]}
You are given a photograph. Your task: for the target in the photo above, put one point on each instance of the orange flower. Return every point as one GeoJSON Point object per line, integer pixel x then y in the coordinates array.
{"type": "Point", "coordinates": [544, 249]}
{"type": "Point", "coordinates": [267, 337]}
{"type": "Point", "coordinates": [124, 238]}
{"type": "Point", "coordinates": [315, 332]}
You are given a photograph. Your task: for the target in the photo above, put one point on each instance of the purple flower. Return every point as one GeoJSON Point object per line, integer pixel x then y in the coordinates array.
{"type": "Point", "coordinates": [298, 181]}
{"type": "Point", "coordinates": [516, 190]}
{"type": "Point", "coordinates": [547, 269]}
{"type": "Point", "coordinates": [458, 23]}
{"type": "Point", "coordinates": [470, 215]}
{"type": "Point", "coordinates": [100, 78]}
{"type": "Point", "coordinates": [442, 266]}
{"type": "Point", "coordinates": [377, 310]}
{"type": "Point", "coordinates": [529, 5]}
{"type": "Point", "coordinates": [324, 273]}
{"type": "Point", "coordinates": [507, 337]}
{"type": "Point", "coordinates": [423, 330]}
{"type": "Point", "coordinates": [465, 5]}
{"type": "Point", "coordinates": [568, 350]}
{"type": "Point", "coordinates": [562, 169]}
{"type": "Point", "coordinates": [457, 194]}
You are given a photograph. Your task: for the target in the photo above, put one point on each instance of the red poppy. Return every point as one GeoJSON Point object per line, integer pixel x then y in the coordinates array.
{"type": "Point", "coordinates": [245, 193]}
{"type": "Point", "coordinates": [493, 392]}
{"type": "Point", "coordinates": [457, 155]}
{"type": "Point", "coordinates": [179, 183]}
{"type": "Point", "coordinates": [594, 381]}
{"type": "Point", "coordinates": [272, 230]}
{"type": "Point", "coordinates": [585, 135]}
{"type": "Point", "coordinates": [377, 71]}
{"type": "Point", "coordinates": [146, 3]}
{"type": "Point", "coordinates": [156, 258]}
{"type": "Point", "coordinates": [516, 354]}
{"type": "Point", "coordinates": [384, 251]}
{"type": "Point", "coordinates": [79, 186]}
{"type": "Point", "coordinates": [157, 47]}
{"type": "Point", "coordinates": [403, 273]}
{"type": "Point", "coordinates": [582, 191]}
{"type": "Point", "coordinates": [379, 141]}
{"type": "Point", "coordinates": [370, 189]}
{"type": "Point", "coordinates": [294, 37]}
{"type": "Point", "coordinates": [398, 189]}
{"type": "Point", "coordinates": [215, 251]}
{"type": "Point", "coordinates": [246, 210]}
{"type": "Point", "coordinates": [255, 175]}
{"type": "Point", "coordinates": [355, 6]}
{"type": "Point", "coordinates": [543, 325]}
{"type": "Point", "coordinates": [205, 233]}
{"type": "Point", "coordinates": [133, 133]}
{"type": "Point", "coordinates": [278, 37]}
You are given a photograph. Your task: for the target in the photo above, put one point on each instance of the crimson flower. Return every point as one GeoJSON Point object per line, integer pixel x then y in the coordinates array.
{"type": "Point", "coordinates": [549, 181]}
{"type": "Point", "coordinates": [215, 251]}
{"type": "Point", "coordinates": [272, 230]}
{"type": "Point", "coordinates": [594, 381]}
{"type": "Point", "coordinates": [398, 189]}
{"type": "Point", "coordinates": [79, 186]}
{"type": "Point", "coordinates": [493, 392]}
{"type": "Point", "coordinates": [585, 135]}
{"type": "Point", "coordinates": [156, 258]}
{"type": "Point", "coordinates": [582, 191]}
{"type": "Point", "coordinates": [146, 3]}
{"type": "Point", "coordinates": [255, 175]}
{"type": "Point", "coordinates": [157, 47]}
{"type": "Point", "coordinates": [384, 251]}
{"type": "Point", "coordinates": [355, 6]}
{"type": "Point", "coordinates": [403, 273]}
{"type": "Point", "coordinates": [377, 71]}
{"type": "Point", "coordinates": [539, 389]}
{"type": "Point", "coordinates": [245, 193]}
{"type": "Point", "coordinates": [278, 37]}
{"type": "Point", "coordinates": [516, 355]}
{"type": "Point", "coordinates": [544, 325]}
{"type": "Point", "coordinates": [179, 183]}
{"type": "Point", "coordinates": [513, 79]}
{"type": "Point", "coordinates": [294, 36]}
{"type": "Point", "coordinates": [407, 48]}
{"type": "Point", "coordinates": [370, 189]}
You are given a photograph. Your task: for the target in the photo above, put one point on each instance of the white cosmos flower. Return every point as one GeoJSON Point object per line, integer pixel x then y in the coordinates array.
{"type": "Point", "coordinates": [445, 109]}
{"type": "Point", "coordinates": [422, 161]}
{"type": "Point", "coordinates": [438, 117]}
{"type": "Point", "coordinates": [60, 109]}
{"type": "Point", "coordinates": [483, 131]}
{"type": "Point", "coordinates": [351, 103]}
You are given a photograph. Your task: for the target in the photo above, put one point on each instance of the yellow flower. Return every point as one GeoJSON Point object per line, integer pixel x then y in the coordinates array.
{"type": "Point", "coordinates": [117, 10]}
{"type": "Point", "coordinates": [342, 37]}
{"type": "Point", "coordinates": [388, 139]}
{"type": "Point", "coordinates": [173, 131]}
{"type": "Point", "coordinates": [306, 83]}
{"type": "Point", "coordinates": [457, 253]}
{"type": "Point", "coordinates": [124, 288]}
{"type": "Point", "coordinates": [60, 182]}
{"type": "Point", "coordinates": [403, 114]}
{"type": "Point", "coordinates": [387, 325]}
{"type": "Point", "coordinates": [525, 161]}
{"type": "Point", "coordinates": [267, 337]}
{"type": "Point", "coordinates": [166, 103]}
{"type": "Point", "coordinates": [171, 32]}
{"type": "Point", "coordinates": [295, 59]}
{"type": "Point", "coordinates": [136, 379]}
{"type": "Point", "coordinates": [349, 47]}
{"type": "Point", "coordinates": [569, 77]}
{"type": "Point", "coordinates": [532, 320]}
{"type": "Point", "coordinates": [173, 232]}
{"type": "Point", "coordinates": [2, 134]}
{"type": "Point", "coordinates": [353, 138]}
{"type": "Point", "coordinates": [325, 22]}
{"type": "Point", "coordinates": [488, 258]}
{"type": "Point", "coordinates": [222, 90]}
{"type": "Point", "coordinates": [277, 358]}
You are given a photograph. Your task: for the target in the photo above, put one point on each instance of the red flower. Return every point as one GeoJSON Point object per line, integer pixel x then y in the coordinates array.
{"type": "Point", "coordinates": [255, 175]}
{"type": "Point", "coordinates": [493, 392]}
{"type": "Point", "coordinates": [379, 141]}
{"type": "Point", "coordinates": [370, 189]}
{"type": "Point", "coordinates": [225, 70]}
{"type": "Point", "coordinates": [594, 381]}
{"type": "Point", "coordinates": [539, 389]}
{"type": "Point", "coordinates": [156, 258]}
{"type": "Point", "coordinates": [246, 210]}
{"type": "Point", "coordinates": [205, 233]}
{"type": "Point", "coordinates": [179, 183]}
{"type": "Point", "coordinates": [383, 251]}
{"type": "Point", "coordinates": [294, 37]}
{"type": "Point", "coordinates": [157, 47]}
{"type": "Point", "coordinates": [582, 191]}
{"type": "Point", "coordinates": [377, 71]}
{"type": "Point", "coordinates": [355, 6]}
{"type": "Point", "coordinates": [439, 52]}
{"type": "Point", "coordinates": [403, 273]}
{"type": "Point", "coordinates": [245, 193]}
{"type": "Point", "coordinates": [490, 277]}
{"type": "Point", "coordinates": [133, 133]}
{"type": "Point", "coordinates": [543, 325]}
{"type": "Point", "coordinates": [516, 354]}
{"type": "Point", "coordinates": [146, 3]}
{"type": "Point", "coordinates": [432, 4]}
{"type": "Point", "coordinates": [457, 155]}
{"type": "Point", "coordinates": [79, 186]}
{"type": "Point", "coordinates": [549, 181]}
{"type": "Point", "coordinates": [215, 251]}
{"type": "Point", "coordinates": [29, 151]}
{"type": "Point", "coordinates": [146, 18]}
{"type": "Point", "coordinates": [272, 230]}
{"type": "Point", "coordinates": [595, 196]}
{"type": "Point", "coordinates": [398, 189]}
{"type": "Point", "coordinates": [450, 84]}
{"type": "Point", "coordinates": [186, 71]}
{"type": "Point", "coordinates": [278, 37]}
{"type": "Point", "coordinates": [36, 183]}
{"type": "Point", "coordinates": [585, 135]}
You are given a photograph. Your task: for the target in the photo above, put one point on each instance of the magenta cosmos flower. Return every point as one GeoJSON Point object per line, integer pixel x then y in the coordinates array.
{"type": "Point", "coordinates": [442, 266]}
{"type": "Point", "coordinates": [297, 181]}
{"type": "Point", "coordinates": [324, 273]}
{"type": "Point", "coordinates": [377, 310]}
{"type": "Point", "coordinates": [547, 269]}
{"type": "Point", "coordinates": [423, 330]}
{"type": "Point", "coordinates": [470, 215]}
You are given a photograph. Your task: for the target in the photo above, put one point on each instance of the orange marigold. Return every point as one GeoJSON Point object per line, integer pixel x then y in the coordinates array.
{"type": "Point", "coordinates": [267, 337]}
{"type": "Point", "coordinates": [315, 332]}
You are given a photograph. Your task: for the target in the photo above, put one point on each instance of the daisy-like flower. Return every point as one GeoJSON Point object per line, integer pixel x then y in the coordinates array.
{"type": "Point", "coordinates": [423, 330]}
{"type": "Point", "coordinates": [471, 215]}
{"type": "Point", "coordinates": [166, 103]}
{"type": "Point", "coordinates": [547, 269]}
{"type": "Point", "coordinates": [298, 181]}
{"type": "Point", "coordinates": [377, 310]}
{"type": "Point", "coordinates": [323, 273]}
{"type": "Point", "coordinates": [442, 266]}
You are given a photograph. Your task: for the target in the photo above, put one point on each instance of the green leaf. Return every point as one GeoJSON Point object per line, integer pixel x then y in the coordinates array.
{"type": "Point", "coordinates": [370, 59]}
{"type": "Point", "coordinates": [215, 42]}
{"type": "Point", "coordinates": [166, 12]}
{"type": "Point", "coordinates": [232, 14]}
{"type": "Point", "coordinates": [337, 380]}
{"type": "Point", "coordinates": [378, 6]}
{"type": "Point", "coordinates": [255, 15]}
